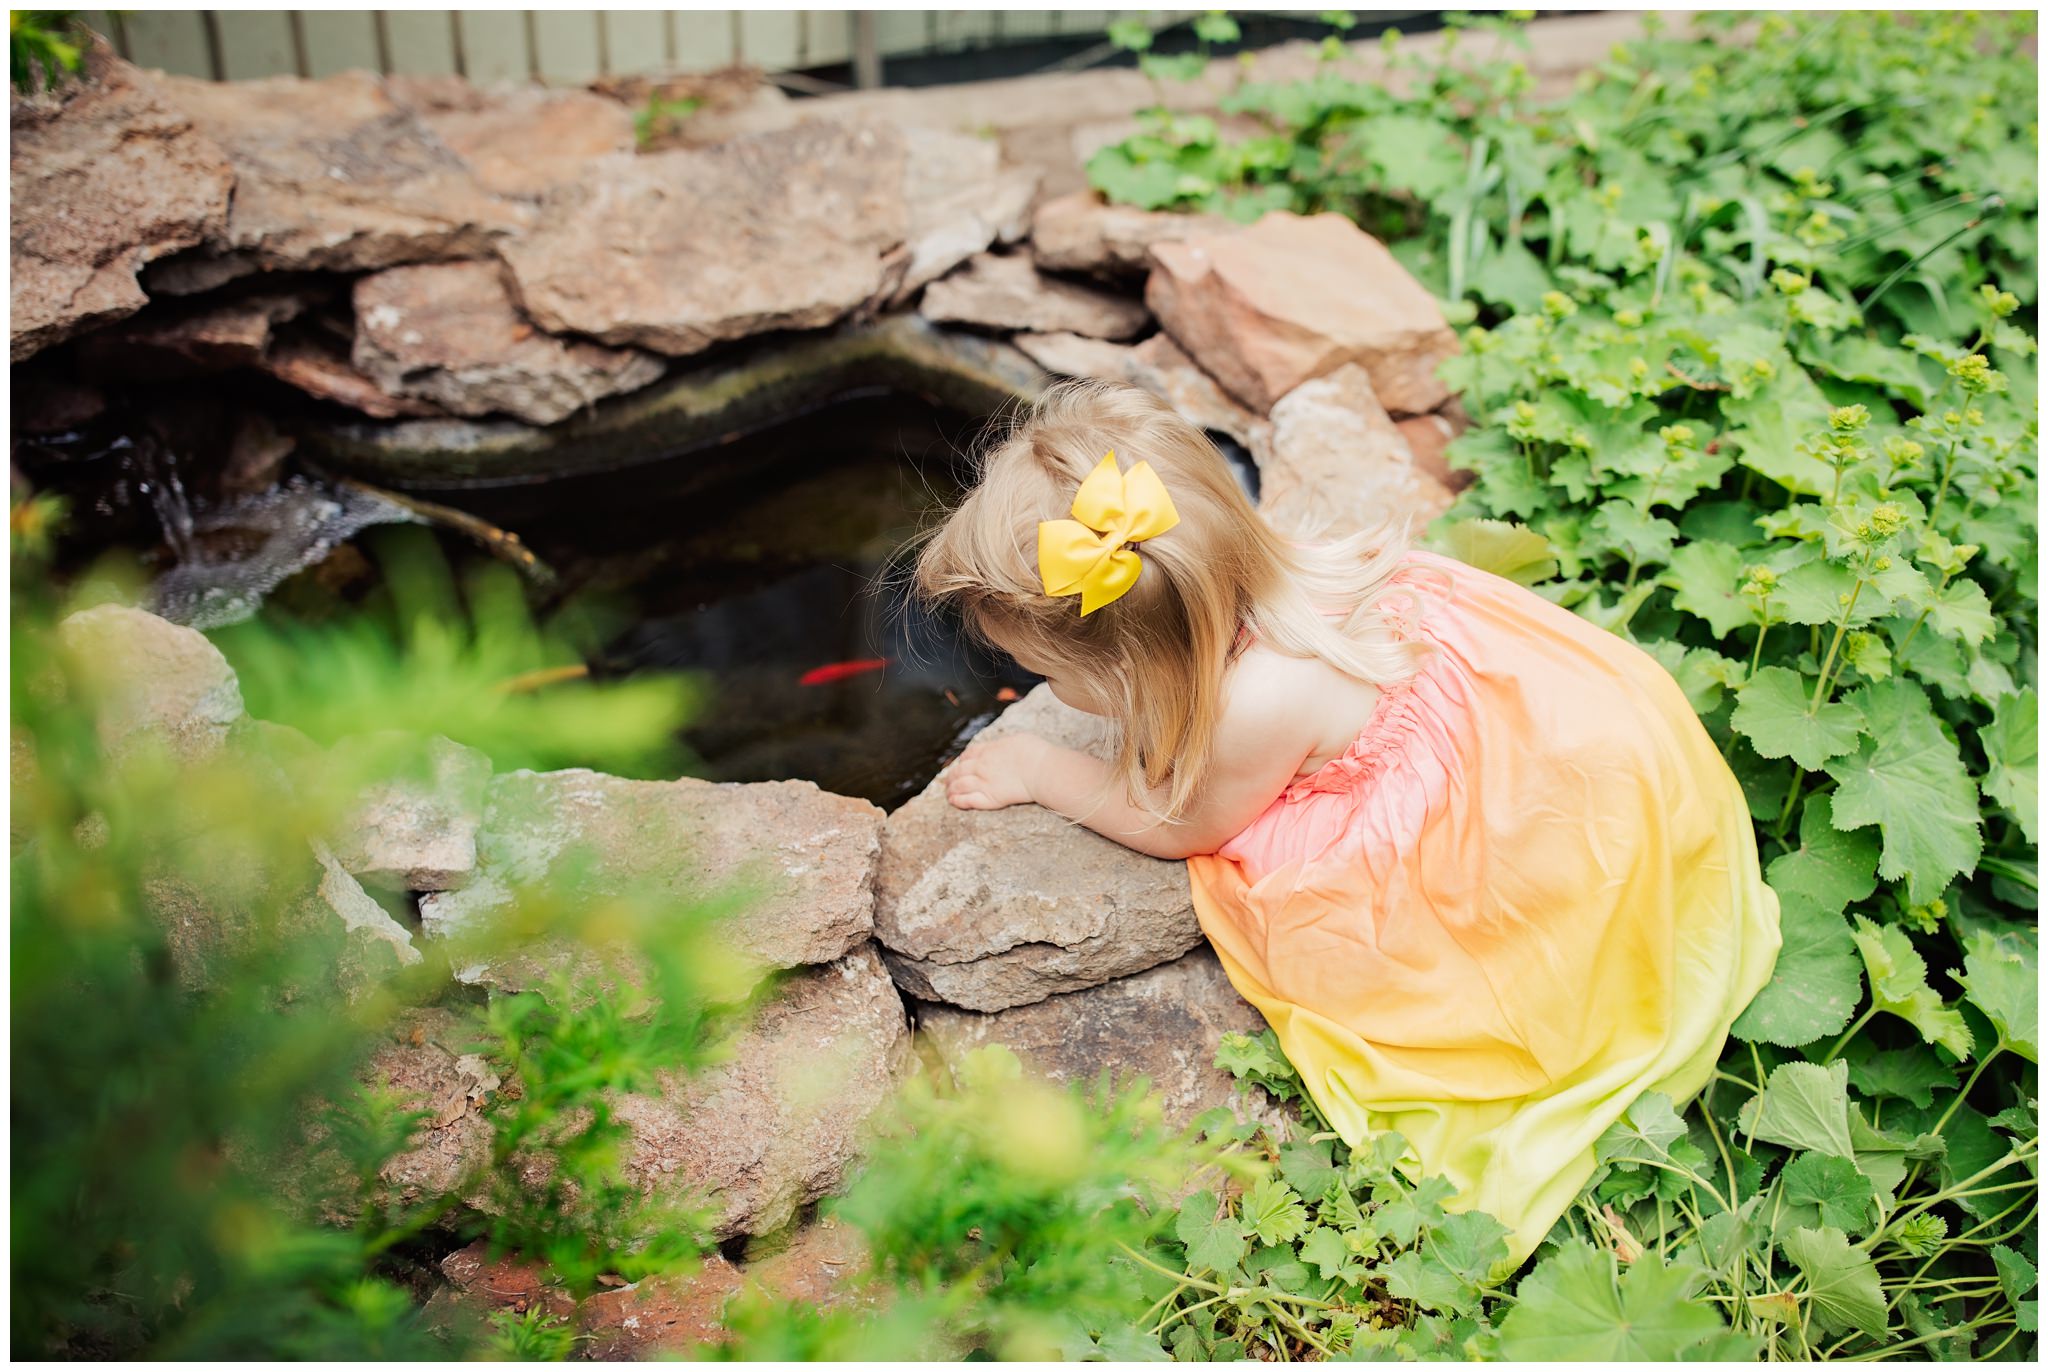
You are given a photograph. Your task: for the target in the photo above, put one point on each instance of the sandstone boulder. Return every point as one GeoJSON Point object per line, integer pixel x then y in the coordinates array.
{"type": "Point", "coordinates": [330, 175]}
{"type": "Point", "coordinates": [480, 1283]}
{"type": "Point", "coordinates": [783, 1120]}
{"type": "Point", "coordinates": [417, 832]}
{"type": "Point", "coordinates": [153, 678]}
{"type": "Point", "coordinates": [993, 908]}
{"type": "Point", "coordinates": [1084, 233]}
{"type": "Point", "coordinates": [807, 858]}
{"type": "Point", "coordinates": [1428, 436]}
{"type": "Point", "coordinates": [961, 199]}
{"type": "Point", "coordinates": [1335, 463]}
{"type": "Point", "coordinates": [449, 333]}
{"type": "Point", "coordinates": [662, 1316]}
{"type": "Point", "coordinates": [105, 176]}
{"type": "Point", "coordinates": [1071, 354]}
{"type": "Point", "coordinates": [666, 1316]}
{"type": "Point", "coordinates": [1292, 298]}
{"type": "Point", "coordinates": [374, 936]}
{"type": "Point", "coordinates": [1157, 365]}
{"type": "Point", "coordinates": [426, 1061]}
{"type": "Point", "coordinates": [312, 363]}
{"type": "Point", "coordinates": [822, 1266]}
{"type": "Point", "coordinates": [519, 141]}
{"type": "Point", "coordinates": [1007, 292]}
{"type": "Point", "coordinates": [184, 339]}
{"type": "Point", "coordinates": [680, 250]}
{"type": "Point", "coordinates": [1163, 1024]}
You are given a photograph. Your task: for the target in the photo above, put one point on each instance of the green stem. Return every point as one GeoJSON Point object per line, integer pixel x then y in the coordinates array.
{"type": "Point", "coordinates": [1956, 1104]}
{"type": "Point", "coordinates": [1181, 1312]}
{"type": "Point", "coordinates": [1948, 471]}
{"type": "Point", "coordinates": [1891, 1348]}
{"type": "Point", "coordinates": [1843, 1041]}
{"type": "Point", "coordinates": [1841, 632]}
{"type": "Point", "coordinates": [1791, 800]}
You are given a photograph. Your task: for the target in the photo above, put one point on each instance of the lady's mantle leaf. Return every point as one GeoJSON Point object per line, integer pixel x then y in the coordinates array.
{"type": "Point", "coordinates": [1841, 1283]}
{"type": "Point", "coordinates": [1840, 1195]}
{"type": "Point", "coordinates": [1576, 1308]}
{"type": "Point", "coordinates": [1908, 779]}
{"type": "Point", "coordinates": [2000, 980]}
{"type": "Point", "coordinates": [1898, 986]}
{"type": "Point", "coordinates": [1273, 1212]}
{"type": "Point", "coordinates": [1804, 1106]}
{"type": "Point", "coordinates": [1213, 1242]}
{"type": "Point", "coordinates": [1405, 1212]}
{"type": "Point", "coordinates": [2018, 1277]}
{"type": "Point", "coordinates": [1423, 1280]}
{"type": "Point", "coordinates": [1812, 594]}
{"type": "Point", "coordinates": [1511, 550]}
{"type": "Point", "coordinates": [1831, 867]}
{"type": "Point", "coordinates": [1882, 1154]}
{"type": "Point", "coordinates": [1771, 712]}
{"type": "Point", "coordinates": [1325, 1249]}
{"type": "Point", "coordinates": [1469, 1244]}
{"type": "Point", "coordinates": [1814, 988]}
{"type": "Point", "coordinates": [1644, 1133]}
{"type": "Point", "coordinates": [1957, 610]}
{"type": "Point", "coordinates": [1706, 579]}
{"type": "Point", "coordinates": [2012, 741]}
{"type": "Point", "coordinates": [1914, 1074]}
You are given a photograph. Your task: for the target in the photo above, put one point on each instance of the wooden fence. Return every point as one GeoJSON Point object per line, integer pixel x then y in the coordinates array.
{"type": "Point", "coordinates": [560, 46]}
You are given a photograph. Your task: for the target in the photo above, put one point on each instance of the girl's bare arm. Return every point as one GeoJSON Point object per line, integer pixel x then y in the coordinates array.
{"type": "Point", "coordinates": [1260, 744]}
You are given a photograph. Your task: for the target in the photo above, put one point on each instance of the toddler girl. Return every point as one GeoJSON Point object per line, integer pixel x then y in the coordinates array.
{"type": "Point", "coordinates": [1474, 859]}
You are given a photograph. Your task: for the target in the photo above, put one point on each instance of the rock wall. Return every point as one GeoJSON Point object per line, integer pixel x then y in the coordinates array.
{"type": "Point", "coordinates": [466, 273]}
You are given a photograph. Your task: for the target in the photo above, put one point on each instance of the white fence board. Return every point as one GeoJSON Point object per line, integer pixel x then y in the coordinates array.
{"type": "Point", "coordinates": [494, 45]}
{"type": "Point", "coordinates": [900, 31]}
{"type": "Point", "coordinates": [339, 40]}
{"type": "Point", "coordinates": [635, 41]}
{"type": "Point", "coordinates": [418, 42]}
{"type": "Point", "coordinates": [703, 38]}
{"type": "Point", "coordinates": [565, 46]}
{"type": "Point", "coordinates": [828, 37]}
{"type": "Point", "coordinates": [256, 43]}
{"type": "Point", "coordinates": [174, 40]}
{"type": "Point", "coordinates": [769, 39]}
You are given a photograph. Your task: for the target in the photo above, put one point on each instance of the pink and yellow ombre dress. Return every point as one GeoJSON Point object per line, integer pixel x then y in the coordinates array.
{"type": "Point", "coordinates": [1526, 894]}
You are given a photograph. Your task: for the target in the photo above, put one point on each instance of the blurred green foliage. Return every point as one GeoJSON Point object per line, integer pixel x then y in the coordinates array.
{"type": "Point", "coordinates": [196, 1156]}
{"type": "Point", "coordinates": [1753, 384]}
{"type": "Point", "coordinates": [42, 47]}
{"type": "Point", "coordinates": [460, 655]}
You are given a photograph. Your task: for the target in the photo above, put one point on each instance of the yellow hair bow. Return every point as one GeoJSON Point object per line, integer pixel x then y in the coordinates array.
{"type": "Point", "coordinates": [1087, 553]}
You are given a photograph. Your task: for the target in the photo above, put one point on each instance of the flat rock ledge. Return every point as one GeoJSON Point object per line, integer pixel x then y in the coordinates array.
{"type": "Point", "coordinates": [995, 908]}
{"type": "Point", "coordinates": [1162, 1024]}
{"type": "Point", "coordinates": [803, 859]}
{"type": "Point", "coordinates": [823, 1264]}
{"type": "Point", "coordinates": [106, 177]}
{"type": "Point", "coordinates": [783, 1121]}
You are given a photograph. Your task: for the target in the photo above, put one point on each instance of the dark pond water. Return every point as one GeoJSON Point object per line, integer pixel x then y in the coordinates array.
{"type": "Point", "coordinates": [780, 589]}
{"type": "Point", "coordinates": [784, 589]}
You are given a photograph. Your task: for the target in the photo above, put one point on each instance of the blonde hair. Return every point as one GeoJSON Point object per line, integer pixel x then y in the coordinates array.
{"type": "Point", "coordinates": [1158, 654]}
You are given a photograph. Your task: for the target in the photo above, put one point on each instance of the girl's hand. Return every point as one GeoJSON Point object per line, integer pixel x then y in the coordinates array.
{"type": "Point", "coordinates": [995, 772]}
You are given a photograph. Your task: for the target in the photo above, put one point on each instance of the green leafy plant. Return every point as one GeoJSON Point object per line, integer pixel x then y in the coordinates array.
{"type": "Point", "coordinates": [660, 118]}
{"type": "Point", "coordinates": [42, 47]}
{"type": "Point", "coordinates": [1752, 373]}
{"type": "Point", "coordinates": [198, 1170]}
{"type": "Point", "coordinates": [1333, 1253]}
{"type": "Point", "coordinates": [462, 656]}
